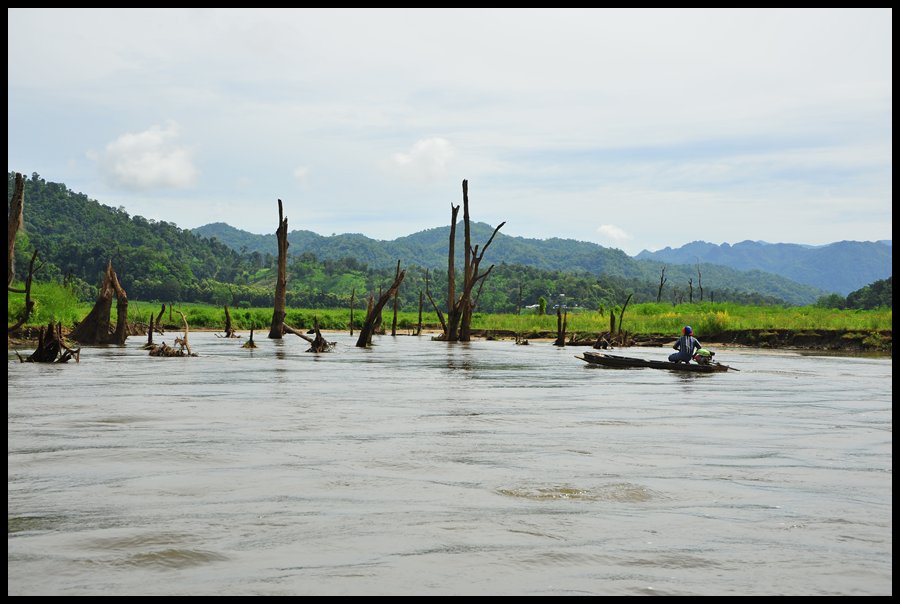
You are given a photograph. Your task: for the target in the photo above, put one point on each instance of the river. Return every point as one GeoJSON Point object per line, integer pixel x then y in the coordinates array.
{"type": "Point", "coordinates": [422, 468]}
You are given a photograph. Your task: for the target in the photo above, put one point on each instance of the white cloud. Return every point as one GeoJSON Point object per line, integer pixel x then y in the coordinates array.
{"type": "Point", "coordinates": [301, 174]}
{"type": "Point", "coordinates": [611, 231]}
{"type": "Point", "coordinates": [152, 159]}
{"type": "Point", "coordinates": [427, 159]}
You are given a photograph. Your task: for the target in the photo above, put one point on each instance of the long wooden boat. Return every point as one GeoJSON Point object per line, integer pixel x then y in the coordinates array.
{"type": "Point", "coordinates": [617, 362]}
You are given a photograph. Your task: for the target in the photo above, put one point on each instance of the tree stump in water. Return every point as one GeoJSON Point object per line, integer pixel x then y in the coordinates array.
{"type": "Point", "coordinates": [96, 328]}
{"type": "Point", "coordinates": [51, 348]}
{"type": "Point", "coordinates": [317, 344]}
{"type": "Point", "coordinates": [250, 343]}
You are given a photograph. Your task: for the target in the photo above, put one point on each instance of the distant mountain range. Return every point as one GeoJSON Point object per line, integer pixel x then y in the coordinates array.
{"type": "Point", "coordinates": [840, 267]}
{"type": "Point", "coordinates": [428, 249]}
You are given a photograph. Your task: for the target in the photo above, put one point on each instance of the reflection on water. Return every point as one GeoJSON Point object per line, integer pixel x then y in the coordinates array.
{"type": "Point", "coordinates": [421, 467]}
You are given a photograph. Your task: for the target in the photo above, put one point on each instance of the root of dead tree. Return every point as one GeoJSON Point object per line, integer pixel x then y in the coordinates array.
{"type": "Point", "coordinates": [316, 344]}
{"type": "Point", "coordinates": [51, 347]}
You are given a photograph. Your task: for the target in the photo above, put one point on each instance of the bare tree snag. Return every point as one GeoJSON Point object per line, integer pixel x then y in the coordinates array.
{"type": "Point", "coordinates": [396, 303]}
{"type": "Point", "coordinates": [96, 328]}
{"type": "Point", "coordinates": [278, 314]}
{"type": "Point", "coordinates": [250, 343]}
{"type": "Point", "coordinates": [365, 334]}
{"type": "Point", "coordinates": [434, 305]}
{"type": "Point", "coordinates": [699, 279]}
{"type": "Point", "coordinates": [159, 317]}
{"type": "Point", "coordinates": [612, 321]}
{"type": "Point", "coordinates": [662, 283]}
{"type": "Point", "coordinates": [229, 328]}
{"type": "Point", "coordinates": [51, 347]}
{"type": "Point", "coordinates": [352, 302]}
{"type": "Point", "coordinates": [622, 312]}
{"type": "Point", "coordinates": [150, 345]}
{"type": "Point", "coordinates": [561, 320]}
{"type": "Point", "coordinates": [691, 290]}
{"type": "Point", "coordinates": [29, 303]}
{"type": "Point", "coordinates": [13, 224]}
{"type": "Point", "coordinates": [419, 324]}
{"type": "Point", "coordinates": [459, 309]}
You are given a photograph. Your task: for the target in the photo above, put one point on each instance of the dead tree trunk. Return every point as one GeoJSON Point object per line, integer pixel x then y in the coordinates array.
{"type": "Point", "coordinates": [612, 322]}
{"type": "Point", "coordinates": [691, 290]}
{"type": "Point", "coordinates": [459, 309]}
{"type": "Point", "coordinates": [29, 303]}
{"type": "Point", "coordinates": [700, 280]}
{"type": "Point", "coordinates": [51, 347]}
{"type": "Point", "coordinates": [419, 324]}
{"type": "Point", "coordinates": [352, 301]}
{"type": "Point", "coordinates": [437, 310]}
{"type": "Point", "coordinates": [317, 344]}
{"type": "Point", "coordinates": [622, 312]}
{"type": "Point", "coordinates": [250, 343]}
{"type": "Point", "coordinates": [159, 318]}
{"type": "Point", "coordinates": [14, 223]}
{"type": "Point", "coordinates": [278, 314]}
{"type": "Point", "coordinates": [396, 303]}
{"type": "Point", "coordinates": [150, 345]}
{"type": "Point", "coordinates": [365, 334]}
{"type": "Point", "coordinates": [229, 328]}
{"type": "Point", "coordinates": [561, 319]}
{"type": "Point", "coordinates": [662, 283]}
{"type": "Point", "coordinates": [96, 328]}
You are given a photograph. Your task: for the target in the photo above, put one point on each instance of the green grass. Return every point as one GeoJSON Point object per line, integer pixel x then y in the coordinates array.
{"type": "Point", "coordinates": [55, 302]}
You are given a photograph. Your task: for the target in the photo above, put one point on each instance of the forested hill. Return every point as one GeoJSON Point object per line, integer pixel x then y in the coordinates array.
{"type": "Point", "coordinates": [428, 248]}
{"type": "Point", "coordinates": [77, 236]}
{"type": "Point", "coordinates": [837, 267]}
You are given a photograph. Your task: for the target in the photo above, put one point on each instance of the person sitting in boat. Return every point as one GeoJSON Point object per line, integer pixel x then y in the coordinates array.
{"type": "Point", "coordinates": [685, 346]}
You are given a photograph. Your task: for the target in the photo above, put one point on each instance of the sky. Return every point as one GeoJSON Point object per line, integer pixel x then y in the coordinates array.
{"type": "Point", "coordinates": [634, 129]}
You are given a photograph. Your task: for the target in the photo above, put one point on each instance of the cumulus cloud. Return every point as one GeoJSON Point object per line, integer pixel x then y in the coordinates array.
{"type": "Point", "coordinates": [301, 174]}
{"type": "Point", "coordinates": [427, 159]}
{"type": "Point", "coordinates": [611, 231]}
{"type": "Point", "coordinates": [152, 159]}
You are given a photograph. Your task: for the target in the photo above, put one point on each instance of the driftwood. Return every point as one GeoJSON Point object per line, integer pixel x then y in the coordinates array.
{"type": "Point", "coordinates": [51, 347]}
{"type": "Point", "coordinates": [250, 343]}
{"type": "Point", "coordinates": [374, 311]}
{"type": "Point", "coordinates": [96, 328]}
{"type": "Point", "coordinates": [317, 344]}
{"type": "Point", "coordinates": [183, 346]}
{"type": "Point", "coordinates": [276, 331]}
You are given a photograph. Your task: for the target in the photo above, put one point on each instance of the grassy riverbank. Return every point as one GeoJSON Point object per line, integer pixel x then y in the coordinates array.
{"type": "Point", "coordinates": [54, 302]}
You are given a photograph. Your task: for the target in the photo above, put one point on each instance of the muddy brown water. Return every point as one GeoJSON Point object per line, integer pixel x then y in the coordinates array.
{"type": "Point", "coordinates": [418, 467]}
